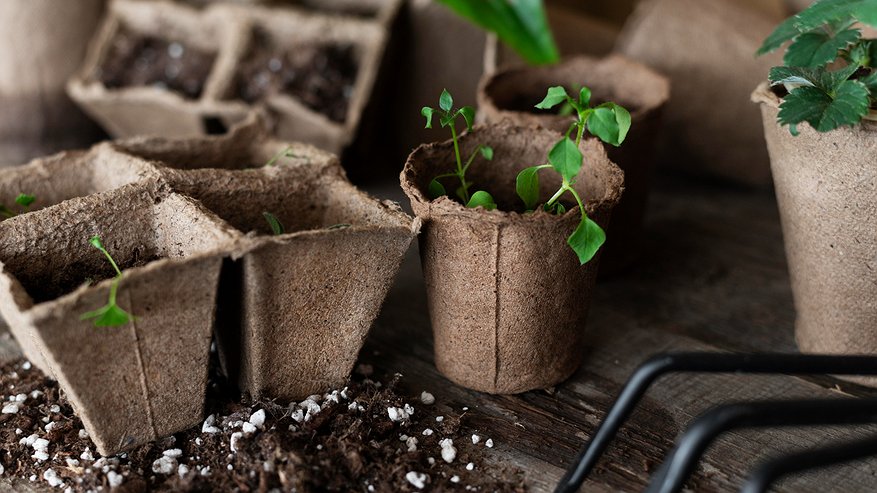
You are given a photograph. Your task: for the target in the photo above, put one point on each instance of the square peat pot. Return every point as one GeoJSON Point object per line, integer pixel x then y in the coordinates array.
{"type": "Point", "coordinates": [294, 308]}
{"type": "Point", "coordinates": [144, 380]}
{"type": "Point", "coordinates": [55, 179]}
{"type": "Point", "coordinates": [153, 69]}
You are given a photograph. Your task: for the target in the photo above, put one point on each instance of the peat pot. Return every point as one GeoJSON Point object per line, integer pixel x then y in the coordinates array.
{"type": "Point", "coordinates": [827, 197]}
{"type": "Point", "coordinates": [147, 379]}
{"type": "Point", "coordinates": [513, 93]}
{"type": "Point", "coordinates": [507, 297]}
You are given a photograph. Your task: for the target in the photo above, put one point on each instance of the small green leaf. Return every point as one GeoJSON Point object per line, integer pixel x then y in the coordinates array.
{"type": "Point", "coordinates": [468, 113]}
{"type": "Point", "coordinates": [481, 199]}
{"type": "Point", "coordinates": [584, 97]}
{"type": "Point", "coordinates": [786, 31]}
{"type": "Point", "coordinates": [793, 129]}
{"type": "Point", "coordinates": [97, 243]}
{"type": "Point", "coordinates": [446, 102]}
{"type": "Point", "coordinates": [25, 200]}
{"type": "Point", "coordinates": [559, 209]}
{"type": "Point", "coordinates": [555, 96]}
{"type": "Point", "coordinates": [527, 186]}
{"type": "Point", "coordinates": [586, 239]}
{"type": "Point", "coordinates": [487, 152]}
{"type": "Point", "coordinates": [566, 158]}
{"type": "Point", "coordinates": [427, 112]}
{"type": "Point", "coordinates": [447, 119]}
{"type": "Point", "coordinates": [826, 111]}
{"type": "Point", "coordinates": [818, 48]}
{"type": "Point", "coordinates": [610, 123]}
{"type": "Point", "coordinates": [274, 223]}
{"type": "Point", "coordinates": [436, 189]}
{"type": "Point", "coordinates": [110, 315]}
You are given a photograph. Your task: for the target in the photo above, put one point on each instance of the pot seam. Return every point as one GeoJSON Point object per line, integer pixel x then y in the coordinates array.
{"type": "Point", "coordinates": [144, 384]}
{"type": "Point", "coordinates": [496, 307]}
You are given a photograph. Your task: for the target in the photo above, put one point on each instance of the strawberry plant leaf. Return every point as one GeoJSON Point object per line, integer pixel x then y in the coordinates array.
{"type": "Point", "coordinates": [436, 189]}
{"type": "Point", "coordinates": [586, 239]}
{"type": "Point", "coordinates": [584, 97]}
{"type": "Point", "coordinates": [824, 110]}
{"type": "Point", "coordinates": [481, 199]}
{"type": "Point", "coordinates": [446, 102]}
{"type": "Point", "coordinates": [468, 114]}
{"type": "Point", "coordinates": [527, 186]}
{"type": "Point", "coordinates": [818, 48]}
{"type": "Point", "coordinates": [521, 24]}
{"type": "Point", "coordinates": [566, 158]}
{"type": "Point", "coordinates": [276, 227]}
{"type": "Point", "coordinates": [487, 152]}
{"type": "Point", "coordinates": [427, 112]}
{"type": "Point", "coordinates": [610, 123]}
{"type": "Point", "coordinates": [824, 12]}
{"type": "Point", "coordinates": [554, 97]}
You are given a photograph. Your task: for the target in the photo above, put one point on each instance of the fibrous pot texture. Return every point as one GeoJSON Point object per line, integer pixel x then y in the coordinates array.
{"type": "Point", "coordinates": [507, 297]}
{"type": "Point", "coordinates": [513, 93]}
{"type": "Point", "coordinates": [827, 198]}
{"type": "Point", "coordinates": [144, 380]}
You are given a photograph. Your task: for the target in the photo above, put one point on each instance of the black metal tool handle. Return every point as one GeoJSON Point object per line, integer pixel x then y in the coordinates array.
{"type": "Point", "coordinates": [655, 367]}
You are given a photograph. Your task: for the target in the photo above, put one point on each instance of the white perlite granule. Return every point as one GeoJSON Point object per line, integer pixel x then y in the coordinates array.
{"type": "Point", "coordinates": [439, 419]}
{"type": "Point", "coordinates": [233, 443]}
{"type": "Point", "coordinates": [164, 465]}
{"type": "Point", "coordinates": [449, 452]}
{"type": "Point", "coordinates": [417, 479]}
{"type": "Point", "coordinates": [400, 413]}
{"type": "Point", "coordinates": [489, 443]}
{"type": "Point", "coordinates": [83, 434]}
{"type": "Point", "coordinates": [208, 426]}
{"type": "Point", "coordinates": [475, 439]}
{"type": "Point", "coordinates": [411, 442]}
{"type": "Point", "coordinates": [470, 466]}
{"type": "Point", "coordinates": [183, 470]}
{"type": "Point", "coordinates": [52, 478]}
{"type": "Point", "coordinates": [427, 398]}
{"type": "Point", "coordinates": [427, 432]}
{"type": "Point", "coordinates": [257, 419]}
{"type": "Point", "coordinates": [115, 479]}
{"type": "Point", "coordinates": [455, 479]}
{"type": "Point", "coordinates": [248, 428]}
{"type": "Point", "coordinates": [174, 453]}
{"type": "Point", "coordinates": [86, 454]}
{"type": "Point", "coordinates": [10, 408]}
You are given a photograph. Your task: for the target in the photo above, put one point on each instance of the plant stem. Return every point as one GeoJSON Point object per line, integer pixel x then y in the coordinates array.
{"type": "Point", "coordinates": [578, 200]}
{"type": "Point", "coordinates": [113, 262]}
{"type": "Point", "coordinates": [113, 289]}
{"type": "Point", "coordinates": [581, 132]}
{"type": "Point", "coordinates": [460, 172]}
{"type": "Point", "coordinates": [558, 194]}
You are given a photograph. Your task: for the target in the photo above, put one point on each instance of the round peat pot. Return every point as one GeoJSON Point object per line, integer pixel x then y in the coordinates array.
{"type": "Point", "coordinates": [513, 94]}
{"type": "Point", "coordinates": [827, 195]}
{"type": "Point", "coordinates": [508, 298]}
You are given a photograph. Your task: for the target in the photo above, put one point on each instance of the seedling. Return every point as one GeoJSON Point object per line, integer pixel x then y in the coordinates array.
{"type": "Point", "coordinates": [285, 152]}
{"type": "Point", "coordinates": [448, 117]}
{"type": "Point", "coordinates": [110, 315]}
{"type": "Point", "coordinates": [610, 123]}
{"type": "Point", "coordinates": [23, 201]}
{"type": "Point", "coordinates": [274, 223]}
{"type": "Point", "coordinates": [826, 35]}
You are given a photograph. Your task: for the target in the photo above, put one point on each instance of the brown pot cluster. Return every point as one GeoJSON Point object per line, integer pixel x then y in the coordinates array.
{"type": "Point", "coordinates": [507, 297]}
{"type": "Point", "coordinates": [184, 219]}
{"type": "Point", "coordinates": [512, 94]}
{"type": "Point", "coordinates": [214, 65]}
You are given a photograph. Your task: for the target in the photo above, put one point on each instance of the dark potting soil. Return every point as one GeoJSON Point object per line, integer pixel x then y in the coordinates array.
{"type": "Point", "coordinates": [138, 60]}
{"type": "Point", "coordinates": [75, 275]}
{"type": "Point", "coordinates": [321, 76]}
{"type": "Point", "coordinates": [347, 442]}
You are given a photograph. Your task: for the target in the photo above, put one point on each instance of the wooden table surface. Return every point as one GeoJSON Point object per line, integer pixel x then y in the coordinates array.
{"type": "Point", "coordinates": [712, 277]}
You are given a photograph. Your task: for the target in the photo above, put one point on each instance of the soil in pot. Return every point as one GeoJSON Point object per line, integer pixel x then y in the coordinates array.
{"type": "Point", "coordinates": [508, 298]}
{"type": "Point", "coordinates": [319, 75]}
{"type": "Point", "coordinates": [134, 59]}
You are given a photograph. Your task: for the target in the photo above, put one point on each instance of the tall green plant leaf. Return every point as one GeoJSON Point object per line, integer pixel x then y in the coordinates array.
{"type": "Point", "coordinates": [521, 24]}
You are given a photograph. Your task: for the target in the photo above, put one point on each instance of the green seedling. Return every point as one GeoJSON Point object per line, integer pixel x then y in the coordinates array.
{"type": "Point", "coordinates": [274, 223]}
{"type": "Point", "coordinates": [110, 315]}
{"type": "Point", "coordinates": [610, 123]}
{"type": "Point", "coordinates": [829, 68]}
{"type": "Point", "coordinates": [448, 117]}
{"type": "Point", "coordinates": [23, 201]}
{"type": "Point", "coordinates": [285, 152]}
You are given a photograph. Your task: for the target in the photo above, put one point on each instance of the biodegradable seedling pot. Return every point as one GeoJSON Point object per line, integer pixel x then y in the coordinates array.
{"type": "Point", "coordinates": [42, 42]}
{"type": "Point", "coordinates": [144, 380]}
{"type": "Point", "coordinates": [179, 98]}
{"type": "Point", "coordinates": [295, 308]}
{"type": "Point", "coordinates": [513, 93]}
{"type": "Point", "coordinates": [64, 176]}
{"type": "Point", "coordinates": [828, 206]}
{"type": "Point", "coordinates": [706, 48]}
{"type": "Point", "coordinates": [508, 298]}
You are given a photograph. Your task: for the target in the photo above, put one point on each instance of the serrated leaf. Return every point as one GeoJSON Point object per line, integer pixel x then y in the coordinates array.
{"type": "Point", "coordinates": [487, 152]}
{"type": "Point", "coordinates": [566, 158]}
{"type": "Point", "coordinates": [481, 199]}
{"type": "Point", "coordinates": [436, 189]}
{"type": "Point", "coordinates": [25, 200]}
{"type": "Point", "coordinates": [584, 97]}
{"type": "Point", "coordinates": [610, 123]}
{"type": "Point", "coordinates": [823, 12]}
{"type": "Point", "coordinates": [587, 239]}
{"type": "Point", "coordinates": [427, 112]}
{"type": "Point", "coordinates": [794, 75]}
{"type": "Point", "coordinates": [818, 48]}
{"type": "Point", "coordinates": [870, 81]}
{"type": "Point", "coordinates": [786, 31]}
{"type": "Point", "coordinates": [527, 186]}
{"type": "Point", "coordinates": [468, 113]}
{"type": "Point", "coordinates": [446, 101]}
{"type": "Point", "coordinates": [274, 223]}
{"type": "Point", "coordinates": [826, 111]}
{"type": "Point", "coordinates": [555, 96]}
